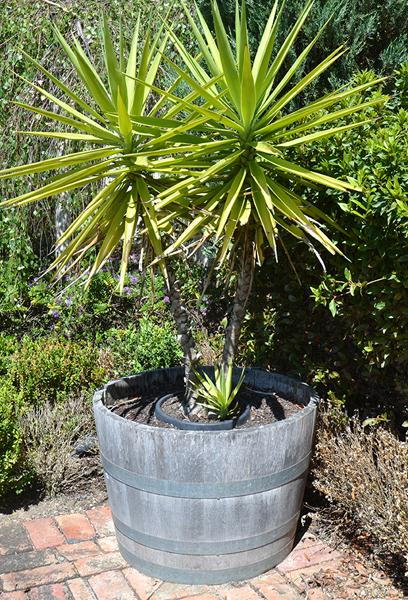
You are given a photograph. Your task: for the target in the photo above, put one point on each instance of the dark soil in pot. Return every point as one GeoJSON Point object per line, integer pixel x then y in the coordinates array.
{"type": "Point", "coordinates": [264, 408]}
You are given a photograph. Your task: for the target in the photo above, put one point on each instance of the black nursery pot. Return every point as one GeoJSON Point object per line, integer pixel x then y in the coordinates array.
{"type": "Point", "coordinates": [227, 424]}
{"type": "Point", "coordinates": [203, 507]}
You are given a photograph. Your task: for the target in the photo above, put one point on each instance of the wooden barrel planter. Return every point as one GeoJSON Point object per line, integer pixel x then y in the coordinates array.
{"type": "Point", "coordinates": [205, 507]}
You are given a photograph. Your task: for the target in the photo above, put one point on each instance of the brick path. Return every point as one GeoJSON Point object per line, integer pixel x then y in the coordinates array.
{"type": "Point", "coordinates": [75, 557]}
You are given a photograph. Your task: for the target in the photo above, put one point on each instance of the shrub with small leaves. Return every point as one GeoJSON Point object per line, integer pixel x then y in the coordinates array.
{"type": "Point", "coordinates": [54, 368]}
{"type": "Point", "coordinates": [371, 292]}
{"type": "Point", "coordinates": [50, 433]}
{"type": "Point", "coordinates": [352, 319]}
{"type": "Point", "coordinates": [148, 346]}
{"type": "Point", "coordinates": [14, 474]}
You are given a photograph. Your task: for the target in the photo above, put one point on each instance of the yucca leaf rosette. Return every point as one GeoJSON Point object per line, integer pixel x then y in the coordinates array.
{"type": "Point", "coordinates": [247, 110]}
{"type": "Point", "coordinates": [240, 180]}
{"type": "Point", "coordinates": [113, 121]}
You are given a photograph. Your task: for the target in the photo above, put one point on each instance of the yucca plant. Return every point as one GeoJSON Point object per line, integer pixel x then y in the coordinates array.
{"type": "Point", "coordinates": [244, 192]}
{"type": "Point", "coordinates": [110, 125]}
{"type": "Point", "coordinates": [209, 163]}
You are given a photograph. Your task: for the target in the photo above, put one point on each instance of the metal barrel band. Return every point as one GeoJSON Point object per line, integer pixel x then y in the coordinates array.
{"type": "Point", "coordinates": [208, 548]}
{"type": "Point", "coordinates": [182, 489]}
{"type": "Point", "coordinates": [192, 577]}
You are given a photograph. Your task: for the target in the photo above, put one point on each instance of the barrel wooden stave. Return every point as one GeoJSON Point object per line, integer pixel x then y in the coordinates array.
{"type": "Point", "coordinates": [186, 519]}
{"type": "Point", "coordinates": [207, 562]}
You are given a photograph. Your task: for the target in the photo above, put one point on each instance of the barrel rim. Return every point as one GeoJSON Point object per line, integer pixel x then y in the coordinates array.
{"type": "Point", "coordinates": [310, 407]}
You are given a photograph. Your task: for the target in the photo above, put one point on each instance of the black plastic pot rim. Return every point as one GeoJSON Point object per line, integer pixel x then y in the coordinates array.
{"type": "Point", "coordinates": [194, 426]}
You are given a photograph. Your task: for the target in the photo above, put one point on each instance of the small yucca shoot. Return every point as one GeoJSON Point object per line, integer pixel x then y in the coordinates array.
{"type": "Point", "coordinates": [218, 396]}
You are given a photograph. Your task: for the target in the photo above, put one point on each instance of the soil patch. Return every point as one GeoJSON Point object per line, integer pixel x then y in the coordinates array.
{"type": "Point", "coordinates": [265, 408]}
{"type": "Point", "coordinates": [88, 493]}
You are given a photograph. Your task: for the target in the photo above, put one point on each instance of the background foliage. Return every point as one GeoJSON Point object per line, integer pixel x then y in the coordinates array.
{"type": "Point", "coordinates": [376, 33]}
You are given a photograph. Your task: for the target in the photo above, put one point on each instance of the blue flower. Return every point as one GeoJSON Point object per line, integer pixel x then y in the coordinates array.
{"type": "Point", "coordinates": [166, 300]}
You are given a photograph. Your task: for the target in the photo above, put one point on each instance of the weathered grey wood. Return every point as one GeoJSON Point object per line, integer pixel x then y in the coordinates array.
{"type": "Point", "coordinates": [245, 521]}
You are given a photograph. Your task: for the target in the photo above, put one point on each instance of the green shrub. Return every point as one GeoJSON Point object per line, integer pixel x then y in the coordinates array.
{"type": "Point", "coordinates": [14, 474]}
{"type": "Point", "coordinates": [150, 346]}
{"type": "Point", "coordinates": [43, 380]}
{"type": "Point", "coordinates": [8, 345]}
{"type": "Point", "coordinates": [33, 373]}
{"type": "Point", "coordinates": [54, 368]}
{"type": "Point", "coordinates": [17, 262]}
{"type": "Point", "coordinates": [371, 292]}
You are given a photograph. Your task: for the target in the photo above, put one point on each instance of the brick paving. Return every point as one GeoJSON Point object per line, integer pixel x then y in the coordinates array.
{"type": "Point", "coordinates": [75, 557]}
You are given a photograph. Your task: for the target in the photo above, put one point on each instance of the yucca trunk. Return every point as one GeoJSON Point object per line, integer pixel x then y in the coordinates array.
{"type": "Point", "coordinates": [242, 292]}
{"type": "Point", "coordinates": [185, 336]}
{"type": "Point", "coordinates": [184, 324]}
